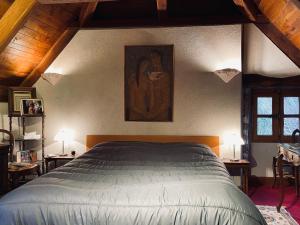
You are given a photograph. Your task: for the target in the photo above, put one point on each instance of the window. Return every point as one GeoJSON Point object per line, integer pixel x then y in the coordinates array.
{"type": "Point", "coordinates": [276, 114]}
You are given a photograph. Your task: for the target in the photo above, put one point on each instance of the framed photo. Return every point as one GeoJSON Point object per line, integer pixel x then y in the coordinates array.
{"type": "Point", "coordinates": [32, 107]}
{"type": "Point", "coordinates": [15, 94]}
{"type": "Point", "coordinates": [149, 82]}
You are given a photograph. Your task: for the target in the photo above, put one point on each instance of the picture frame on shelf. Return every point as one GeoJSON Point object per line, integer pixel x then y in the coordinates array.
{"type": "Point", "coordinates": [15, 94]}
{"type": "Point", "coordinates": [32, 107]}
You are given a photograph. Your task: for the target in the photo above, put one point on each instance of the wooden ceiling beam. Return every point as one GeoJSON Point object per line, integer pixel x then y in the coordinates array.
{"type": "Point", "coordinates": [248, 8]}
{"type": "Point", "coordinates": [284, 15]}
{"type": "Point", "coordinates": [87, 11]}
{"type": "Point", "coordinates": [13, 19]}
{"type": "Point", "coordinates": [51, 55]}
{"type": "Point", "coordinates": [4, 6]}
{"type": "Point", "coordinates": [71, 1]}
{"type": "Point", "coordinates": [165, 22]}
{"type": "Point", "coordinates": [161, 5]}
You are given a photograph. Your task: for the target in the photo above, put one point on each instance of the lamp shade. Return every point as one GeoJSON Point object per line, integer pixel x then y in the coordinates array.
{"type": "Point", "coordinates": [233, 139]}
{"type": "Point", "coordinates": [65, 135]}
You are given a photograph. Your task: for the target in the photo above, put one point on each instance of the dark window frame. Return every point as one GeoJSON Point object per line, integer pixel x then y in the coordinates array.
{"type": "Point", "coordinates": [277, 116]}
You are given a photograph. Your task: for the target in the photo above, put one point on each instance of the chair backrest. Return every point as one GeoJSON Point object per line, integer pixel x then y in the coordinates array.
{"type": "Point", "coordinates": [294, 137]}
{"type": "Point", "coordinates": [11, 143]}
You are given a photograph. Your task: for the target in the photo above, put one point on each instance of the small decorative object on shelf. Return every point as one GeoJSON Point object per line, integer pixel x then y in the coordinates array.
{"type": "Point", "coordinates": [15, 94]}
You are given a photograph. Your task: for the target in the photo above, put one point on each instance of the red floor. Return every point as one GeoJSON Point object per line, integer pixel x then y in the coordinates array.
{"type": "Point", "coordinates": [265, 195]}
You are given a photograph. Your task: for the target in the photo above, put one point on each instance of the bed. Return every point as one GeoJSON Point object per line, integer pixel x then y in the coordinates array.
{"type": "Point", "coordinates": [134, 183]}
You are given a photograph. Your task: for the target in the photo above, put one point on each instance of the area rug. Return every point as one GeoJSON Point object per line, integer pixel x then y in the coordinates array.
{"type": "Point", "coordinates": [272, 217]}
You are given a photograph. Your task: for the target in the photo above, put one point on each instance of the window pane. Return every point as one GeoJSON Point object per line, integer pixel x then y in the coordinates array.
{"type": "Point", "coordinates": [264, 105]}
{"type": "Point", "coordinates": [291, 105]}
{"type": "Point", "coordinates": [264, 126]}
{"type": "Point", "coordinates": [290, 124]}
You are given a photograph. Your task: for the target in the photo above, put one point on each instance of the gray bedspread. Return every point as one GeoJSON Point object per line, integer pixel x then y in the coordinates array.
{"type": "Point", "coordinates": [132, 183]}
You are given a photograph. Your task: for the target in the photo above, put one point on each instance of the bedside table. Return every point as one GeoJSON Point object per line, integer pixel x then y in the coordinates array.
{"type": "Point", "coordinates": [244, 166]}
{"type": "Point", "coordinates": [57, 158]}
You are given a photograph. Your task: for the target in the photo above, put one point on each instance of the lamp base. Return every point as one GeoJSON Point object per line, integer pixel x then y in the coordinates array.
{"type": "Point", "coordinates": [63, 154]}
{"type": "Point", "coordinates": [234, 160]}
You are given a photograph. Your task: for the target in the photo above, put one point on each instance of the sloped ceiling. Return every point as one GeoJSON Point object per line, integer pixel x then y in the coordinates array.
{"type": "Point", "coordinates": [34, 38]}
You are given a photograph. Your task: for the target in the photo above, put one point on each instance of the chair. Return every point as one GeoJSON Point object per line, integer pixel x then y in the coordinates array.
{"type": "Point", "coordinates": [286, 164]}
{"type": "Point", "coordinates": [15, 171]}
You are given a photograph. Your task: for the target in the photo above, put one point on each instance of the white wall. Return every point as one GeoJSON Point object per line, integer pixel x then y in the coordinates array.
{"type": "Point", "coordinates": [90, 98]}
{"type": "Point", "coordinates": [263, 57]}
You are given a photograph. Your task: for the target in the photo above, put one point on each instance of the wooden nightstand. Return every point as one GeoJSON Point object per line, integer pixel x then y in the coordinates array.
{"type": "Point", "coordinates": [57, 158]}
{"type": "Point", "coordinates": [244, 166]}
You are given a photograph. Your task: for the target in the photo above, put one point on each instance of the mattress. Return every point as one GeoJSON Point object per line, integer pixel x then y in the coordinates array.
{"type": "Point", "coordinates": [133, 183]}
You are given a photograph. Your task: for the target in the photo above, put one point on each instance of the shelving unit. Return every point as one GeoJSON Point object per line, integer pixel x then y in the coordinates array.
{"type": "Point", "coordinates": [23, 141]}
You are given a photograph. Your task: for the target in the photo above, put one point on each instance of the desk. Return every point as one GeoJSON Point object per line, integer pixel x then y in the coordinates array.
{"type": "Point", "coordinates": [289, 153]}
{"type": "Point", "coordinates": [243, 165]}
{"type": "Point", "coordinates": [4, 149]}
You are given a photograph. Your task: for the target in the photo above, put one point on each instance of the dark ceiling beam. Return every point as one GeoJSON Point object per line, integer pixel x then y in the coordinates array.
{"type": "Point", "coordinates": [165, 22]}
{"type": "Point", "coordinates": [72, 1]}
{"type": "Point", "coordinates": [87, 12]}
{"type": "Point", "coordinates": [248, 8]}
{"type": "Point", "coordinates": [161, 5]}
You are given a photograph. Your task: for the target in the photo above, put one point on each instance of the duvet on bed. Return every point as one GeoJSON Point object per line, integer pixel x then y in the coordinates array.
{"type": "Point", "coordinates": [133, 183]}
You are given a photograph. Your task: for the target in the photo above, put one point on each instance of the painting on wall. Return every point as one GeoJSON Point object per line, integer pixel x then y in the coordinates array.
{"type": "Point", "coordinates": [149, 79]}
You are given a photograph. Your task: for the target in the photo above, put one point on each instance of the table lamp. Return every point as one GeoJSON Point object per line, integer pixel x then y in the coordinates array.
{"type": "Point", "coordinates": [234, 139]}
{"type": "Point", "coordinates": [65, 136]}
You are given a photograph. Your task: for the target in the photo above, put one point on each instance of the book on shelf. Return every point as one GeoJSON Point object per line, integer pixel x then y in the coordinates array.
{"type": "Point", "coordinates": [26, 156]}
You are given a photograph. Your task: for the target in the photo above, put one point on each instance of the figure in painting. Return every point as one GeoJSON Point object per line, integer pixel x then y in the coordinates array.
{"type": "Point", "coordinates": [149, 90]}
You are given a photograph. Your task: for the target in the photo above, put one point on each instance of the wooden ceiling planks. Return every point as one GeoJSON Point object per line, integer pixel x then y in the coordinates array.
{"type": "Point", "coordinates": [37, 36]}
{"type": "Point", "coordinates": [60, 44]}
{"type": "Point", "coordinates": [33, 41]}
{"type": "Point", "coordinates": [13, 19]}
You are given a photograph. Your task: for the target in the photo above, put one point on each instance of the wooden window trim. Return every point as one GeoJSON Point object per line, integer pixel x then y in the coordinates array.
{"type": "Point", "coordinates": [277, 113]}
{"type": "Point", "coordinates": [265, 93]}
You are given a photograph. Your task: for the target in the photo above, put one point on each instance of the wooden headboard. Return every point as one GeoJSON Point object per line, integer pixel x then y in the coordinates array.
{"type": "Point", "coordinates": [211, 141]}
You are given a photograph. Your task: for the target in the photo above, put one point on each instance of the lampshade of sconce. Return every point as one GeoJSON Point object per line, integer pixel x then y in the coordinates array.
{"type": "Point", "coordinates": [52, 78]}
{"type": "Point", "coordinates": [227, 74]}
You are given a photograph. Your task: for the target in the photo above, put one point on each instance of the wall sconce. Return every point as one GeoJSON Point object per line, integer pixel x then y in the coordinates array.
{"type": "Point", "coordinates": [227, 74]}
{"type": "Point", "coordinates": [52, 78]}
{"type": "Point", "coordinates": [65, 136]}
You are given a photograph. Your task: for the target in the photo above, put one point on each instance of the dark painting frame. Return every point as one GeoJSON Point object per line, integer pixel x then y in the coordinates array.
{"type": "Point", "coordinates": [149, 83]}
